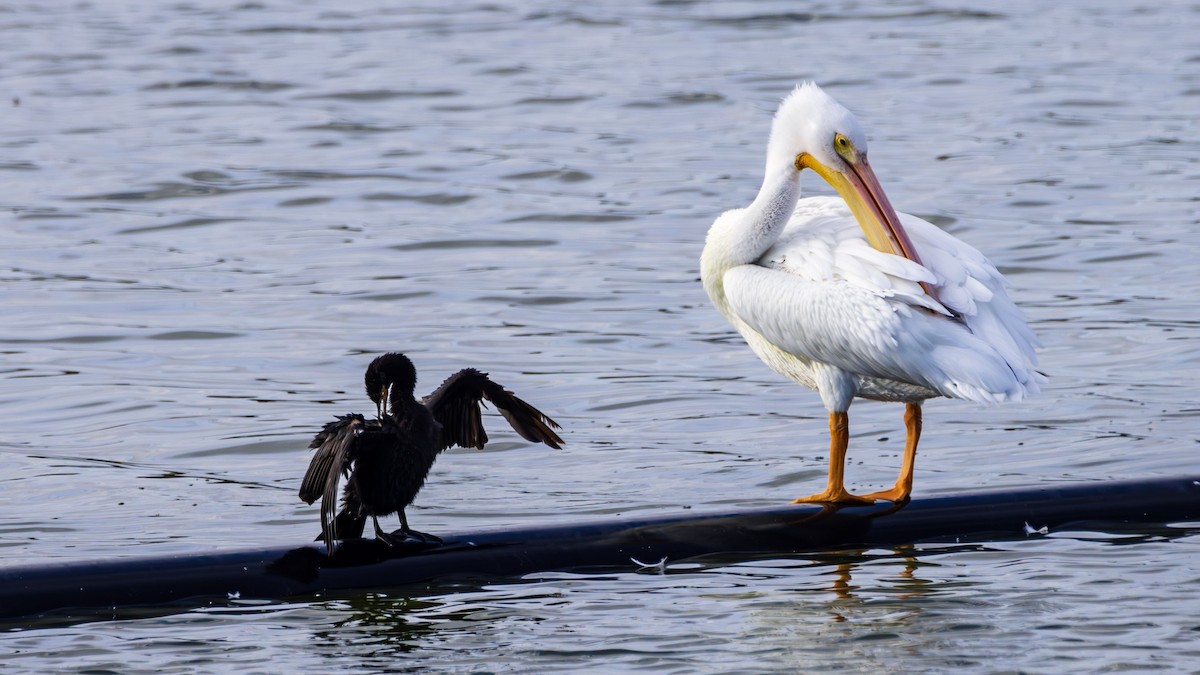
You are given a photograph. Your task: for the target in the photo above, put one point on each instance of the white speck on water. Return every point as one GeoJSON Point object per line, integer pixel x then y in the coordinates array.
{"type": "Point", "coordinates": [659, 566]}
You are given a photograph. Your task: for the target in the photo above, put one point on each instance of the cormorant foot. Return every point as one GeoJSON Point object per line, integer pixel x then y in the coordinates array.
{"type": "Point", "coordinates": [407, 538]}
{"type": "Point", "coordinates": [423, 537]}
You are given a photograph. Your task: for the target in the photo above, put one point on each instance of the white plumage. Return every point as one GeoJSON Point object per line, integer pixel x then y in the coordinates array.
{"type": "Point", "coordinates": [805, 282]}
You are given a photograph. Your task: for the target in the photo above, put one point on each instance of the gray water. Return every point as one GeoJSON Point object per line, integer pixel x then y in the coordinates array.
{"type": "Point", "coordinates": [215, 213]}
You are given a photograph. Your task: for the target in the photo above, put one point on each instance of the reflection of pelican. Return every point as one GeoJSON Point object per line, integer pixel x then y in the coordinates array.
{"type": "Point", "coordinates": [906, 585]}
{"type": "Point", "coordinates": [904, 313]}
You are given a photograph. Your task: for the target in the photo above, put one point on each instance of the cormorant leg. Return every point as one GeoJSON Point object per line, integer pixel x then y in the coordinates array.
{"type": "Point", "coordinates": [903, 487]}
{"type": "Point", "coordinates": [835, 490]}
{"type": "Point", "coordinates": [387, 538]}
{"type": "Point", "coordinates": [420, 536]}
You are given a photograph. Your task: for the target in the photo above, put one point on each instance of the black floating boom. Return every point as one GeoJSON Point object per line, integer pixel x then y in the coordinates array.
{"type": "Point", "coordinates": [91, 590]}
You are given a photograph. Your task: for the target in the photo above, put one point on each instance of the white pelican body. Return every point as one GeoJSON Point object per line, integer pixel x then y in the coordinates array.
{"type": "Point", "coordinates": [848, 297]}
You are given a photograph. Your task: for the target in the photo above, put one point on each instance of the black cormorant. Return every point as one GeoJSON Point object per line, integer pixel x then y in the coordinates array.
{"type": "Point", "coordinates": [385, 460]}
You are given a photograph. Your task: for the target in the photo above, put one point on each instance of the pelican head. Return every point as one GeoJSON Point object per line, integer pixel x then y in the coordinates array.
{"type": "Point", "coordinates": [813, 131]}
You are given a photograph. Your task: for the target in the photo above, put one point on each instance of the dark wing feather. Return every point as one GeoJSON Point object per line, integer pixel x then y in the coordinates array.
{"type": "Point", "coordinates": [456, 406]}
{"type": "Point", "coordinates": [335, 445]}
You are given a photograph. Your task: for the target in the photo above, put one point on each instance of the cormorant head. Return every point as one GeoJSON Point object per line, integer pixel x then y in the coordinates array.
{"type": "Point", "coordinates": [389, 378]}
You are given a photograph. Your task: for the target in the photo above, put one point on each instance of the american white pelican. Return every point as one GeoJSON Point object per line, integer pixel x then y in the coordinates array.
{"type": "Point", "coordinates": [904, 313]}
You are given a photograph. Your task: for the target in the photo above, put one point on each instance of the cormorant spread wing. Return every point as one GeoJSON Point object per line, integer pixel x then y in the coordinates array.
{"type": "Point", "coordinates": [456, 406]}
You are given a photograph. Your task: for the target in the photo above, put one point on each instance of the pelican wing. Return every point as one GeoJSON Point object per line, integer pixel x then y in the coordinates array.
{"type": "Point", "coordinates": [824, 294]}
{"type": "Point", "coordinates": [970, 285]}
{"type": "Point", "coordinates": [456, 406]}
{"type": "Point", "coordinates": [823, 242]}
{"type": "Point", "coordinates": [335, 450]}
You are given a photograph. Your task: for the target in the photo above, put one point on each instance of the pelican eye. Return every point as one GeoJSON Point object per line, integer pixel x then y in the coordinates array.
{"type": "Point", "coordinates": [842, 145]}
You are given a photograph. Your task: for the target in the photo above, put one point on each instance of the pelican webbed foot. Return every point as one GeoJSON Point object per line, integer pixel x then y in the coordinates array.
{"type": "Point", "coordinates": [835, 497]}
{"type": "Point", "coordinates": [895, 494]}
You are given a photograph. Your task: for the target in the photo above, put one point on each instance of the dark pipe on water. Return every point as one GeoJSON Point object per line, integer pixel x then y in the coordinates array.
{"type": "Point", "coordinates": [86, 590]}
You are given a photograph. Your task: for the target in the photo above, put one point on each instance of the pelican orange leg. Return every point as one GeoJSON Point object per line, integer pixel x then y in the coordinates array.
{"type": "Point", "coordinates": [903, 487]}
{"type": "Point", "coordinates": [835, 490]}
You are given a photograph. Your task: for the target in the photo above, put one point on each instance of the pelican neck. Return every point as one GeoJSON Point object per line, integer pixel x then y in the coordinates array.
{"type": "Point", "coordinates": [763, 221]}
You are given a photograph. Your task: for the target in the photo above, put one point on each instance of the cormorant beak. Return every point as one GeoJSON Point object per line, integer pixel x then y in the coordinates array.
{"type": "Point", "coordinates": [382, 404]}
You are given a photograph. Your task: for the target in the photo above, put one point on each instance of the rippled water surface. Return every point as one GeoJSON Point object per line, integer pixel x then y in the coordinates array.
{"type": "Point", "coordinates": [216, 212]}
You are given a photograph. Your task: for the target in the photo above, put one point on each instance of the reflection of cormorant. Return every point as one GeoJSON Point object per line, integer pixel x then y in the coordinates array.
{"type": "Point", "coordinates": [386, 460]}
